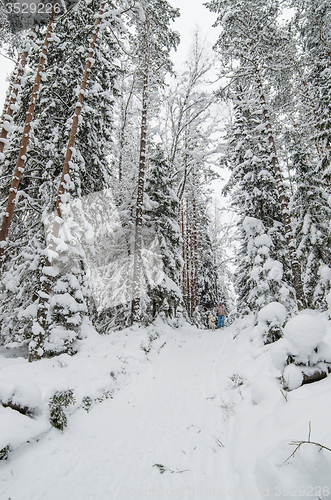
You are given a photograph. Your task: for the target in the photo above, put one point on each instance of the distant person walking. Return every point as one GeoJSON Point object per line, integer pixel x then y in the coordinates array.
{"type": "Point", "coordinates": [221, 313]}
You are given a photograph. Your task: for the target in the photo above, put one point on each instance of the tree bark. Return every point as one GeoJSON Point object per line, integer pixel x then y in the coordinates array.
{"type": "Point", "coordinates": [11, 98]}
{"type": "Point", "coordinates": [137, 257]}
{"type": "Point", "coordinates": [184, 275]}
{"type": "Point", "coordinates": [295, 266]}
{"type": "Point", "coordinates": [194, 248]}
{"type": "Point", "coordinates": [24, 144]}
{"type": "Point", "coordinates": [39, 330]}
{"type": "Point", "coordinates": [9, 93]}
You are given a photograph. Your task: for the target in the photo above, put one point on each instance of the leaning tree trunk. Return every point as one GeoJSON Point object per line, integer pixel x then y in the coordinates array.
{"type": "Point", "coordinates": [11, 98]}
{"type": "Point", "coordinates": [40, 326]}
{"type": "Point", "coordinates": [137, 257]}
{"type": "Point", "coordinates": [9, 93]}
{"type": "Point", "coordinates": [23, 147]}
{"type": "Point", "coordinates": [295, 266]}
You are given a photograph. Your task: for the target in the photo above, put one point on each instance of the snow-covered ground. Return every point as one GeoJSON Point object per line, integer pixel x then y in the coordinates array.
{"type": "Point", "coordinates": [174, 413]}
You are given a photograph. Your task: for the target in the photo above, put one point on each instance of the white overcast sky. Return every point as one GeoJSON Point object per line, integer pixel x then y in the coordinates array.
{"type": "Point", "coordinates": [193, 15]}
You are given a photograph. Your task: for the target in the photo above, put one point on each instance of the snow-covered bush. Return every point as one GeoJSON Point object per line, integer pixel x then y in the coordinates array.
{"type": "Point", "coordinates": [270, 321]}
{"type": "Point", "coordinates": [24, 396]}
{"type": "Point", "coordinates": [271, 318]}
{"type": "Point", "coordinates": [301, 354]}
{"type": "Point", "coordinates": [265, 389]}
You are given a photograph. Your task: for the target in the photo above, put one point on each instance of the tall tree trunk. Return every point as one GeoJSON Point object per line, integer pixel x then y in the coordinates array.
{"type": "Point", "coordinates": [311, 104]}
{"type": "Point", "coordinates": [137, 257]}
{"type": "Point", "coordinates": [184, 272]}
{"type": "Point", "coordinates": [11, 98]}
{"type": "Point", "coordinates": [295, 266]}
{"type": "Point", "coordinates": [40, 326]}
{"type": "Point", "coordinates": [9, 93]}
{"type": "Point", "coordinates": [24, 143]}
{"type": "Point", "coordinates": [195, 245]}
{"type": "Point", "coordinates": [188, 261]}
{"type": "Point", "coordinates": [122, 132]}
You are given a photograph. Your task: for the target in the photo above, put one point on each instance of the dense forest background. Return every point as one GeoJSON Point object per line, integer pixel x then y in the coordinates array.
{"type": "Point", "coordinates": [108, 213]}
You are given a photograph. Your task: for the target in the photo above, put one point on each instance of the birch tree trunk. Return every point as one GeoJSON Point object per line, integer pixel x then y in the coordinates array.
{"type": "Point", "coordinates": [24, 143]}
{"type": "Point", "coordinates": [40, 326]}
{"type": "Point", "coordinates": [137, 257]}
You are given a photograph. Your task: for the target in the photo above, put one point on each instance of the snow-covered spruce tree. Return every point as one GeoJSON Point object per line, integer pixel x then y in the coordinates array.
{"type": "Point", "coordinates": [312, 214]}
{"type": "Point", "coordinates": [254, 197]}
{"type": "Point", "coordinates": [153, 42]}
{"type": "Point", "coordinates": [50, 133]}
{"type": "Point", "coordinates": [161, 213]}
{"type": "Point", "coordinates": [304, 107]}
{"type": "Point", "coordinates": [250, 37]}
{"type": "Point", "coordinates": [199, 275]}
{"type": "Point", "coordinates": [7, 218]}
{"type": "Point", "coordinates": [21, 45]}
{"type": "Point", "coordinates": [313, 20]}
{"type": "Point", "coordinates": [208, 291]}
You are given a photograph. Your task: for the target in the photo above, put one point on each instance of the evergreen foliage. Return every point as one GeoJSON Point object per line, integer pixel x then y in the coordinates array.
{"type": "Point", "coordinates": [161, 222]}
{"type": "Point", "coordinates": [60, 400]}
{"type": "Point", "coordinates": [89, 172]}
{"type": "Point", "coordinates": [254, 195]}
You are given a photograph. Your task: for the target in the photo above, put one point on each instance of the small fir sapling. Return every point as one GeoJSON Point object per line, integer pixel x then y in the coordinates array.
{"type": "Point", "coordinates": [60, 400]}
{"type": "Point", "coordinates": [5, 452]}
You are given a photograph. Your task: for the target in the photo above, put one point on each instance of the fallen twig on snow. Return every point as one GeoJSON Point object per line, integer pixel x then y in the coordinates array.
{"type": "Point", "coordinates": [298, 444]}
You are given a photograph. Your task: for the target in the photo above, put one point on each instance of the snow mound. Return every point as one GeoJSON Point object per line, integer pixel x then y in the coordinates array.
{"type": "Point", "coordinates": [22, 393]}
{"type": "Point", "coordinates": [265, 389]}
{"type": "Point", "coordinates": [263, 240]}
{"type": "Point", "coordinates": [26, 394]}
{"type": "Point", "coordinates": [328, 299]}
{"type": "Point", "coordinates": [293, 377]}
{"type": "Point", "coordinates": [279, 353]}
{"type": "Point", "coordinates": [304, 332]}
{"type": "Point", "coordinates": [325, 272]}
{"type": "Point", "coordinates": [252, 226]}
{"type": "Point", "coordinates": [271, 313]}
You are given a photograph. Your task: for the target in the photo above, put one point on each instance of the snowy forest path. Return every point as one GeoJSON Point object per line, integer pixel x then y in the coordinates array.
{"type": "Point", "coordinates": [163, 435]}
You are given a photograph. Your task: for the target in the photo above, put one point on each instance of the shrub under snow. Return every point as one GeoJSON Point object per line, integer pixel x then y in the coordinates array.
{"type": "Point", "coordinates": [301, 354]}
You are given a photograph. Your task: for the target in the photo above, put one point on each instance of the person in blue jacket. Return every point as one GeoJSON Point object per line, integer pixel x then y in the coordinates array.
{"type": "Point", "coordinates": [221, 313]}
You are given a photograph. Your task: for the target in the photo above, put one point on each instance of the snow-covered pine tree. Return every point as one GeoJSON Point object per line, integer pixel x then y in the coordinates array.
{"type": "Point", "coordinates": [254, 197]}
{"type": "Point", "coordinates": [250, 37]}
{"type": "Point", "coordinates": [7, 218]}
{"type": "Point", "coordinates": [153, 42]}
{"type": "Point", "coordinates": [307, 108]}
{"type": "Point", "coordinates": [45, 156]}
{"type": "Point", "coordinates": [16, 82]}
{"type": "Point", "coordinates": [161, 213]}
{"type": "Point", "coordinates": [312, 214]}
{"type": "Point", "coordinates": [313, 20]}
